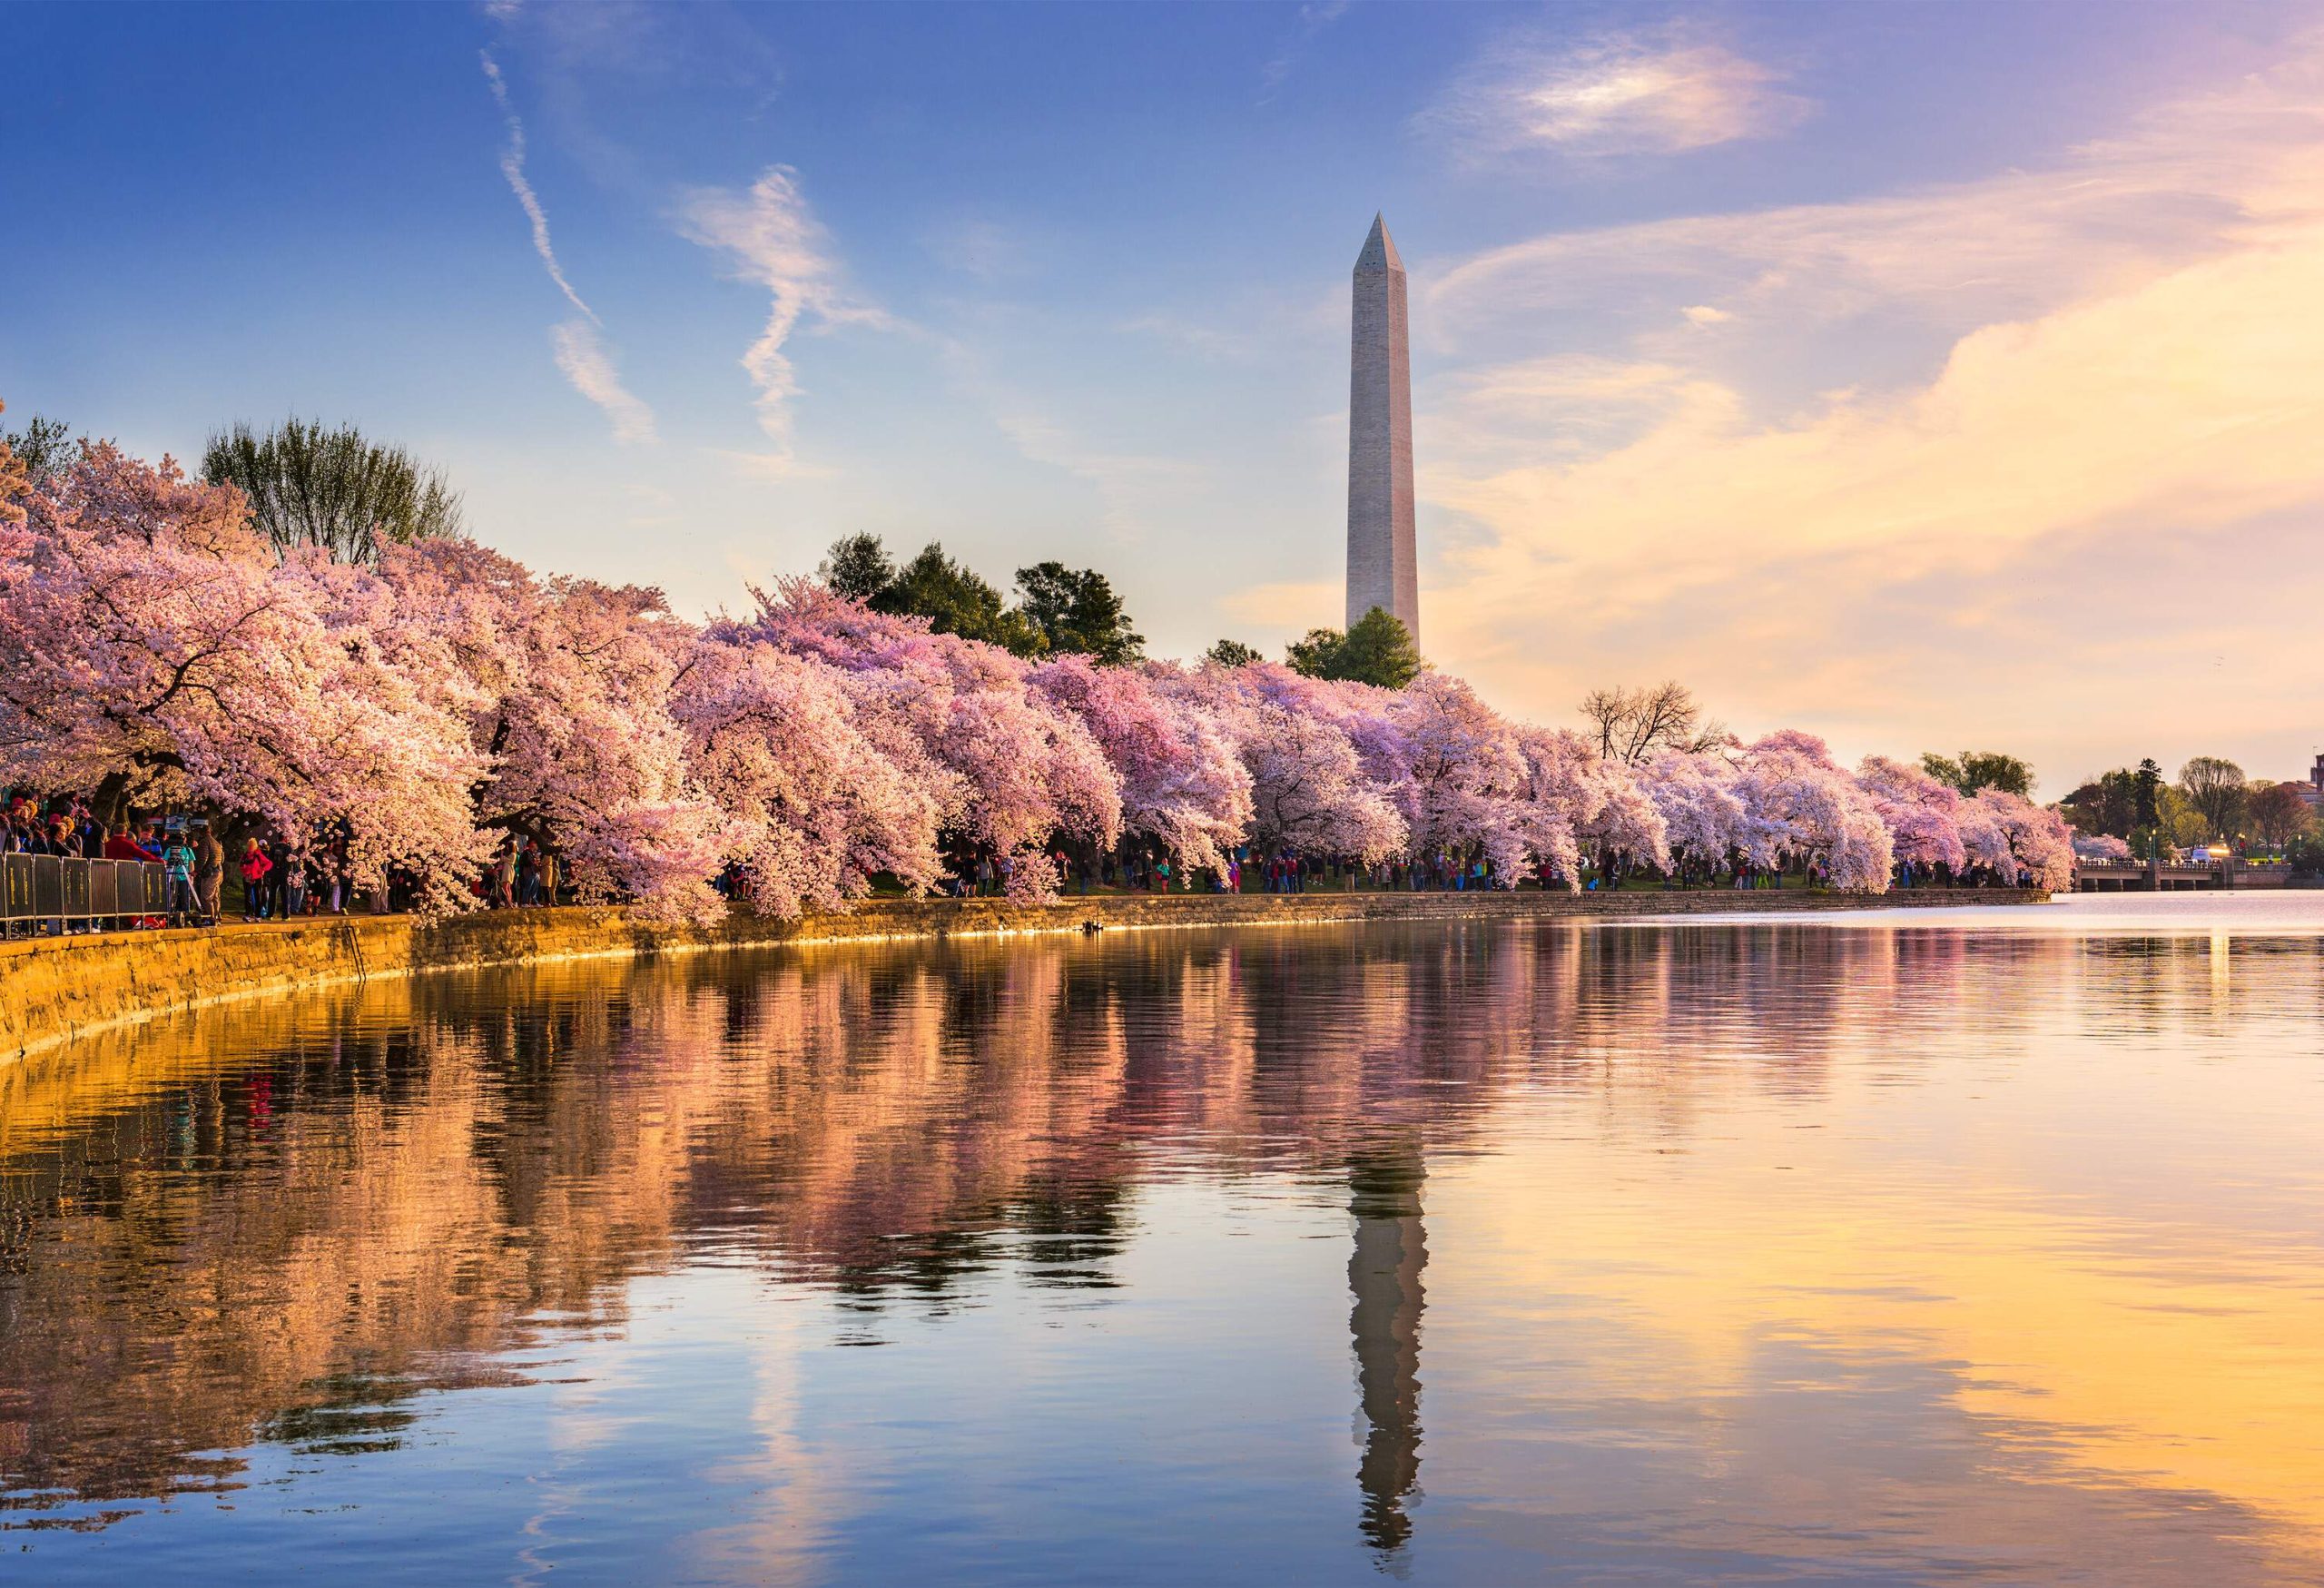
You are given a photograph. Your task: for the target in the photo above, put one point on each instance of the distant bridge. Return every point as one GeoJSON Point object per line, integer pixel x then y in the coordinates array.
{"type": "Point", "coordinates": [2161, 876]}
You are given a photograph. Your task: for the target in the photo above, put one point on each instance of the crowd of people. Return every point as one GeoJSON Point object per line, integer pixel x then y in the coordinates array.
{"type": "Point", "coordinates": [276, 879]}
{"type": "Point", "coordinates": [64, 827]}
{"type": "Point", "coordinates": [281, 881]}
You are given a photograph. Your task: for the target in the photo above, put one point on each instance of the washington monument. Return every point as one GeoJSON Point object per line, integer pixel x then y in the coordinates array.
{"type": "Point", "coordinates": [1380, 567]}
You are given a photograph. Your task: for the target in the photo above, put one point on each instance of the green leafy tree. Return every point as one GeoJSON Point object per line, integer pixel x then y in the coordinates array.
{"type": "Point", "coordinates": [2306, 854]}
{"type": "Point", "coordinates": [308, 486]}
{"type": "Point", "coordinates": [1378, 650]}
{"type": "Point", "coordinates": [1317, 653]}
{"type": "Point", "coordinates": [2178, 822]}
{"type": "Point", "coordinates": [1076, 609]}
{"type": "Point", "coordinates": [2218, 790]}
{"type": "Point", "coordinates": [1977, 769]}
{"type": "Point", "coordinates": [859, 568]}
{"type": "Point", "coordinates": [955, 600]}
{"type": "Point", "coordinates": [1231, 652]}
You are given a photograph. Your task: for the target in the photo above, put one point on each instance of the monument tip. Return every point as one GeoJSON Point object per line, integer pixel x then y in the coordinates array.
{"type": "Point", "coordinates": [1379, 249]}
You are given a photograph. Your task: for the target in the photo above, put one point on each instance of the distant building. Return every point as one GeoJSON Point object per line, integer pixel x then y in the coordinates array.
{"type": "Point", "coordinates": [2312, 791]}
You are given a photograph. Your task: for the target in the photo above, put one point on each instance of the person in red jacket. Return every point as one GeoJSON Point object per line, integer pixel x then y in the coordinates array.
{"type": "Point", "coordinates": [119, 845]}
{"type": "Point", "coordinates": [255, 865]}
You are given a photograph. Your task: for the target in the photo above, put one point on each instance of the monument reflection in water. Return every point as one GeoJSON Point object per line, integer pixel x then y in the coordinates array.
{"type": "Point", "coordinates": [1391, 1249]}
{"type": "Point", "coordinates": [1770, 1251]}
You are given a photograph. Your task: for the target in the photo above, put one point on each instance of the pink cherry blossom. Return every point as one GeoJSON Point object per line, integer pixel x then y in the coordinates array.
{"type": "Point", "coordinates": [1699, 799]}
{"type": "Point", "coordinates": [813, 808]}
{"type": "Point", "coordinates": [1922, 814]}
{"type": "Point", "coordinates": [1007, 766]}
{"type": "Point", "coordinates": [1802, 807]}
{"type": "Point", "coordinates": [565, 685]}
{"type": "Point", "coordinates": [2037, 841]}
{"type": "Point", "coordinates": [1464, 785]}
{"type": "Point", "coordinates": [151, 643]}
{"type": "Point", "coordinates": [1182, 783]}
{"type": "Point", "coordinates": [1580, 797]}
{"type": "Point", "coordinates": [1308, 789]}
{"type": "Point", "coordinates": [1985, 839]}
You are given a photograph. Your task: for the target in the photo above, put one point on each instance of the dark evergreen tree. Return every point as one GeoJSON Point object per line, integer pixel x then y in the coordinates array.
{"type": "Point", "coordinates": [1076, 609]}
{"type": "Point", "coordinates": [859, 568]}
{"type": "Point", "coordinates": [2148, 779]}
{"type": "Point", "coordinates": [1378, 650]}
{"type": "Point", "coordinates": [955, 600]}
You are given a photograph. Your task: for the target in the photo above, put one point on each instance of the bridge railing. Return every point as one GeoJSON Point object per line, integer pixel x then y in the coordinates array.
{"type": "Point", "coordinates": [51, 895]}
{"type": "Point", "coordinates": [2225, 873]}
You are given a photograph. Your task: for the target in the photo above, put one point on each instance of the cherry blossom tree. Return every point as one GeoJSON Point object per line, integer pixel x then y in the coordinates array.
{"type": "Point", "coordinates": [1802, 807]}
{"type": "Point", "coordinates": [1308, 786]}
{"type": "Point", "coordinates": [1010, 767]}
{"type": "Point", "coordinates": [813, 808]}
{"type": "Point", "coordinates": [2040, 843]}
{"type": "Point", "coordinates": [1922, 815]}
{"type": "Point", "coordinates": [1698, 797]}
{"type": "Point", "coordinates": [566, 686]}
{"type": "Point", "coordinates": [1182, 783]}
{"type": "Point", "coordinates": [1577, 796]}
{"type": "Point", "coordinates": [1308, 789]}
{"type": "Point", "coordinates": [151, 645]}
{"type": "Point", "coordinates": [1985, 840]}
{"type": "Point", "coordinates": [1465, 785]}
{"type": "Point", "coordinates": [14, 483]}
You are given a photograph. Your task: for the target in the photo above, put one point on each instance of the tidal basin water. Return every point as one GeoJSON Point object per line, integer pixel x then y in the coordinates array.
{"type": "Point", "coordinates": [1903, 1248]}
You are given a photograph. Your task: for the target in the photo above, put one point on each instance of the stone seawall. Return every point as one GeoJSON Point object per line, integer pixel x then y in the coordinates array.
{"type": "Point", "coordinates": [54, 988]}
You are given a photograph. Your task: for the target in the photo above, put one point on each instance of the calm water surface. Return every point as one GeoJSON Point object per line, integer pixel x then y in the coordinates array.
{"type": "Point", "coordinates": [1907, 1247]}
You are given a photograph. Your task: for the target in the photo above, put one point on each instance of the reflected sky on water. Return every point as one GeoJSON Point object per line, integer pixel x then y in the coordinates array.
{"type": "Point", "coordinates": [1928, 1246]}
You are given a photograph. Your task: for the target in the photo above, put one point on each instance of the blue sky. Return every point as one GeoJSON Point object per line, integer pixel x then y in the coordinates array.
{"type": "Point", "coordinates": [1740, 335]}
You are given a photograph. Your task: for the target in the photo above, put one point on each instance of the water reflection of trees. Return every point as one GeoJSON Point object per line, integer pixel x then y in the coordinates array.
{"type": "Point", "coordinates": [279, 1221]}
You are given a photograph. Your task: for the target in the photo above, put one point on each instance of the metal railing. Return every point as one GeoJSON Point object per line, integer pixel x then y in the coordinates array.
{"type": "Point", "coordinates": [51, 895]}
{"type": "Point", "coordinates": [2234, 873]}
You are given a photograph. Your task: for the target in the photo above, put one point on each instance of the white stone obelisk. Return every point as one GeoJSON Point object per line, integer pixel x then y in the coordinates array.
{"type": "Point", "coordinates": [1381, 566]}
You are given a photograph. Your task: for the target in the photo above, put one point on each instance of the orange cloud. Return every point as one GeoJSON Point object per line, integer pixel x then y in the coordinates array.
{"type": "Point", "coordinates": [2113, 359]}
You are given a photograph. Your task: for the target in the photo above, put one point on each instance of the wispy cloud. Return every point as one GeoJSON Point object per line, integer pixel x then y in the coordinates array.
{"type": "Point", "coordinates": [512, 166]}
{"type": "Point", "coordinates": [1314, 17]}
{"type": "Point", "coordinates": [1213, 343]}
{"type": "Point", "coordinates": [1661, 92]}
{"type": "Point", "coordinates": [581, 354]}
{"type": "Point", "coordinates": [1137, 490]}
{"type": "Point", "coordinates": [770, 236]}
